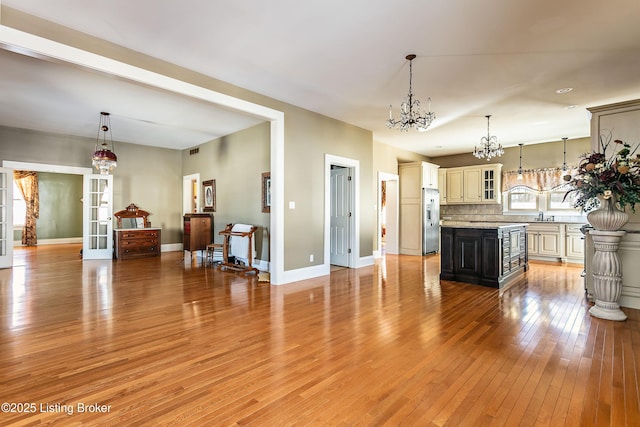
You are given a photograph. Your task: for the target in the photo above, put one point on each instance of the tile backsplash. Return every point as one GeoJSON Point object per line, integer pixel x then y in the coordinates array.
{"type": "Point", "coordinates": [493, 213]}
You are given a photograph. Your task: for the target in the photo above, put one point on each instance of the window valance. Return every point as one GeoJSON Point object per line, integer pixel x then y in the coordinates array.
{"type": "Point", "coordinates": [535, 179]}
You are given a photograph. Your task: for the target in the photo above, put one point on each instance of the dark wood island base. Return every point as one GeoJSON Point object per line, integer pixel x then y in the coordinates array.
{"type": "Point", "coordinates": [487, 254]}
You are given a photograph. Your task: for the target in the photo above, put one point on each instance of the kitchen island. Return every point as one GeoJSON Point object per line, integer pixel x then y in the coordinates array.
{"type": "Point", "coordinates": [483, 253]}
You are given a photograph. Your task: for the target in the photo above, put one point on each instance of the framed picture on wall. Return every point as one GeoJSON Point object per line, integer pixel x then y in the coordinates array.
{"type": "Point", "coordinates": [266, 192]}
{"type": "Point", "coordinates": [209, 195]}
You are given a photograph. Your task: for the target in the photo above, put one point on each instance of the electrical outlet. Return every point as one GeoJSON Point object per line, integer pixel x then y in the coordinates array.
{"type": "Point", "coordinates": [311, 258]}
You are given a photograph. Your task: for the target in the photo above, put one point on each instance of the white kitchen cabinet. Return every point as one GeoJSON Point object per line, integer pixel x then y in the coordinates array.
{"type": "Point", "coordinates": [442, 185]}
{"type": "Point", "coordinates": [472, 191]}
{"type": "Point", "coordinates": [555, 242]}
{"type": "Point", "coordinates": [491, 179]}
{"type": "Point", "coordinates": [413, 178]}
{"type": "Point", "coordinates": [430, 175]}
{"type": "Point", "coordinates": [574, 244]}
{"type": "Point", "coordinates": [455, 186]}
{"type": "Point", "coordinates": [473, 184]}
{"type": "Point", "coordinates": [545, 240]}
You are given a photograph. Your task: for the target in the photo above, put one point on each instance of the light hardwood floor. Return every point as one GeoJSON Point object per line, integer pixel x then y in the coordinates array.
{"type": "Point", "coordinates": [165, 342]}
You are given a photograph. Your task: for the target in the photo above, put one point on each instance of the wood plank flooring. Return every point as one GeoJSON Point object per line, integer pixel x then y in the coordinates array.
{"type": "Point", "coordinates": [163, 341]}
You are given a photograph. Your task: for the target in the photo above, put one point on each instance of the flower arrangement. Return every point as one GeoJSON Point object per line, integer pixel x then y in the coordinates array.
{"type": "Point", "coordinates": [617, 177]}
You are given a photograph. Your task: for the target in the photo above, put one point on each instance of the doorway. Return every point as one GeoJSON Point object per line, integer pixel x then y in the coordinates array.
{"type": "Point", "coordinates": [388, 213]}
{"type": "Point", "coordinates": [191, 193]}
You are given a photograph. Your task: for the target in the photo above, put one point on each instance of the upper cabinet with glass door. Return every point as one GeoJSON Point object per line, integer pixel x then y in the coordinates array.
{"type": "Point", "coordinates": [472, 184]}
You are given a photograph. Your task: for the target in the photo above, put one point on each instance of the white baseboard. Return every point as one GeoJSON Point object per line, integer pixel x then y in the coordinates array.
{"type": "Point", "coordinates": [61, 241]}
{"type": "Point", "coordinates": [171, 247]}
{"type": "Point", "coordinates": [304, 273]}
{"type": "Point", "coordinates": [365, 261]}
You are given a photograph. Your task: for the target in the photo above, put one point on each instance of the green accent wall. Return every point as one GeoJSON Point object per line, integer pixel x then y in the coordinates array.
{"type": "Point", "coordinates": [60, 206]}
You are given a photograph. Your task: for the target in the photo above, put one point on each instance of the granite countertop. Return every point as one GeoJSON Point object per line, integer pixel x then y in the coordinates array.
{"type": "Point", "coordinates": [481, 225]}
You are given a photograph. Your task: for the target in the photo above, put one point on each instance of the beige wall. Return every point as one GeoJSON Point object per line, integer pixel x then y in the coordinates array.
{"type": "Point", "coordinates": [308, 138]}
{"type": "Point", "coordinates": [387, 157]}
{"type": "Point", "coordinates": [236, 162]}
{"type": "Point", "coordinates": [151, 178]}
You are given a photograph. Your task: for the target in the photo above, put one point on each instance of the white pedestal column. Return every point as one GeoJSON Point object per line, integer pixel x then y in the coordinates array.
{"type": "Point", "coordinates": [607, 275]}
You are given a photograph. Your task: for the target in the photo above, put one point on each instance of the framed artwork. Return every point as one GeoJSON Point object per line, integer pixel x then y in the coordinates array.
{"type": "Point", "coordinates": [209, 195]}
{"type": "Point", "coordinates": [266, 192]}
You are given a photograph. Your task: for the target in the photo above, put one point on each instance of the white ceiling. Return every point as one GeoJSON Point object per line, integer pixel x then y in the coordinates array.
{"type": "Point", "coordinates": [344, 59]}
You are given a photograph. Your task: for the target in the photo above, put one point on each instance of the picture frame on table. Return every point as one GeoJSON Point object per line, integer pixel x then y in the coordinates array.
{"type": "Point", "coordinates": [209, 195]}
{"type": "Point", "coordinates": [266, 192]}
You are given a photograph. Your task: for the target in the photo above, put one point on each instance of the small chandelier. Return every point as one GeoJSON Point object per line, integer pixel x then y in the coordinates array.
{"type": "Point", "coordinates": [104, 159]}
{"type": "Point", "coordinates": [520, 171]}
{"type": "Point", "coordinates": [489, 146]}
{"type": "Point", "coordinates": [411, 114]}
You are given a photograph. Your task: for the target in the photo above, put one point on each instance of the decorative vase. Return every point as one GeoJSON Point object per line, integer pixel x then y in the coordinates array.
{"type": "Point", "coordinates": [607, 217]}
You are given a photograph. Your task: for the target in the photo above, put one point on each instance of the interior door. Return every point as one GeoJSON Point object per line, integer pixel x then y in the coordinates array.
{"type": "Point", "coordinates": [97, 235]}
{"type": "Point", "coordinates": [6, 217]}
{"type": "Point", "coordinates": [340, 216]}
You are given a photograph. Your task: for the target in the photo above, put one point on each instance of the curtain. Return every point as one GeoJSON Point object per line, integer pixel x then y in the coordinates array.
{"type": "Point", "coordinates": [383, 195]}
{"type": "Point", "coordinates": [27, 182]}
{"type": "Point", "coordinates": [536, 179]}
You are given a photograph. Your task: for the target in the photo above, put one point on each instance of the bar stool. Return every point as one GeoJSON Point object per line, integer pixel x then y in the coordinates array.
{"type": "Point", "coordinates": [212, 250]}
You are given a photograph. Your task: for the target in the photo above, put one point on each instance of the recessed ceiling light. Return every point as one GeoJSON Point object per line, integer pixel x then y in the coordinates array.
{"type": "Point", "coordinates": [564, 90]}
{"type": "Point", "coordinates": [571, 107]}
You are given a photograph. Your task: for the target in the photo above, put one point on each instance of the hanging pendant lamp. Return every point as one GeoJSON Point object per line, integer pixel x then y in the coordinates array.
{"type": "Point", "coordinates": [520, 171]}
{"type": "Point", "coordinates": [103, 158]}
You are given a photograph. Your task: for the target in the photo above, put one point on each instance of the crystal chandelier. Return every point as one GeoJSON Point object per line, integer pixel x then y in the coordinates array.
{"type": "Point", "coordinates": [103, 158]}
{"type": "Point", "coordinates": [411, 114]}
{"type": "Point", "coordinates": [489, 146]}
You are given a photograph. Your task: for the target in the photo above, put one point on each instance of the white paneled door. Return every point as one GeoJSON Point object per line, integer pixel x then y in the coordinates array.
{"type": "Point", "coordinates": [97, 236]}
{"type": "Point", "coordinates": [340, 216]}
{"type": "Point", "coordinates": [6, 217]}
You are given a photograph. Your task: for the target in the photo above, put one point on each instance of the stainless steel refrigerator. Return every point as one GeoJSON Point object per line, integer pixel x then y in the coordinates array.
{"type": "Point", "coordinates": [430, 221]}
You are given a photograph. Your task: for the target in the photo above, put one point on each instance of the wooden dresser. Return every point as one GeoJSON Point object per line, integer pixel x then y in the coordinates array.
{"type": "Point", "coordinates": [134, 237]}
{"type": "Point", "coordinates": [136, 242]}
{"type": "Point", "coordinates": [198, 229]}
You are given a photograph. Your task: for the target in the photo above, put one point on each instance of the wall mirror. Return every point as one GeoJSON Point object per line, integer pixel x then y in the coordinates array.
{"type": "Point", "coordinates": [132, 217]}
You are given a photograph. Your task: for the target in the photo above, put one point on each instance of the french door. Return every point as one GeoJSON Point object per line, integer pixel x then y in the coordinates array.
{"type": "Point", "coordinates": [97, 235]}
{"type": "Point", "coordinates": [6, 217]}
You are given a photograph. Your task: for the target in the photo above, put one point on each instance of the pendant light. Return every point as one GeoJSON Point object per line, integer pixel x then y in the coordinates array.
{"type": "Point", "coordinates": [565, 169]}
{"type": "Point", "coordinates": [103, 158]}
{"type": "Point", "coordinates": [520, 171]}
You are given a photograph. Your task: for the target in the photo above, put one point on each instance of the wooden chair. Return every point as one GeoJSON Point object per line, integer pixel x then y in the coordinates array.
{"type": "Point", "coordinates": [214, 249]}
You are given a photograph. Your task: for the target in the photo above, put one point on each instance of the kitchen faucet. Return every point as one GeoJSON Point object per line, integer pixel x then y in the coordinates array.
{"type": "Point", "coordinates": [540, 216]}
